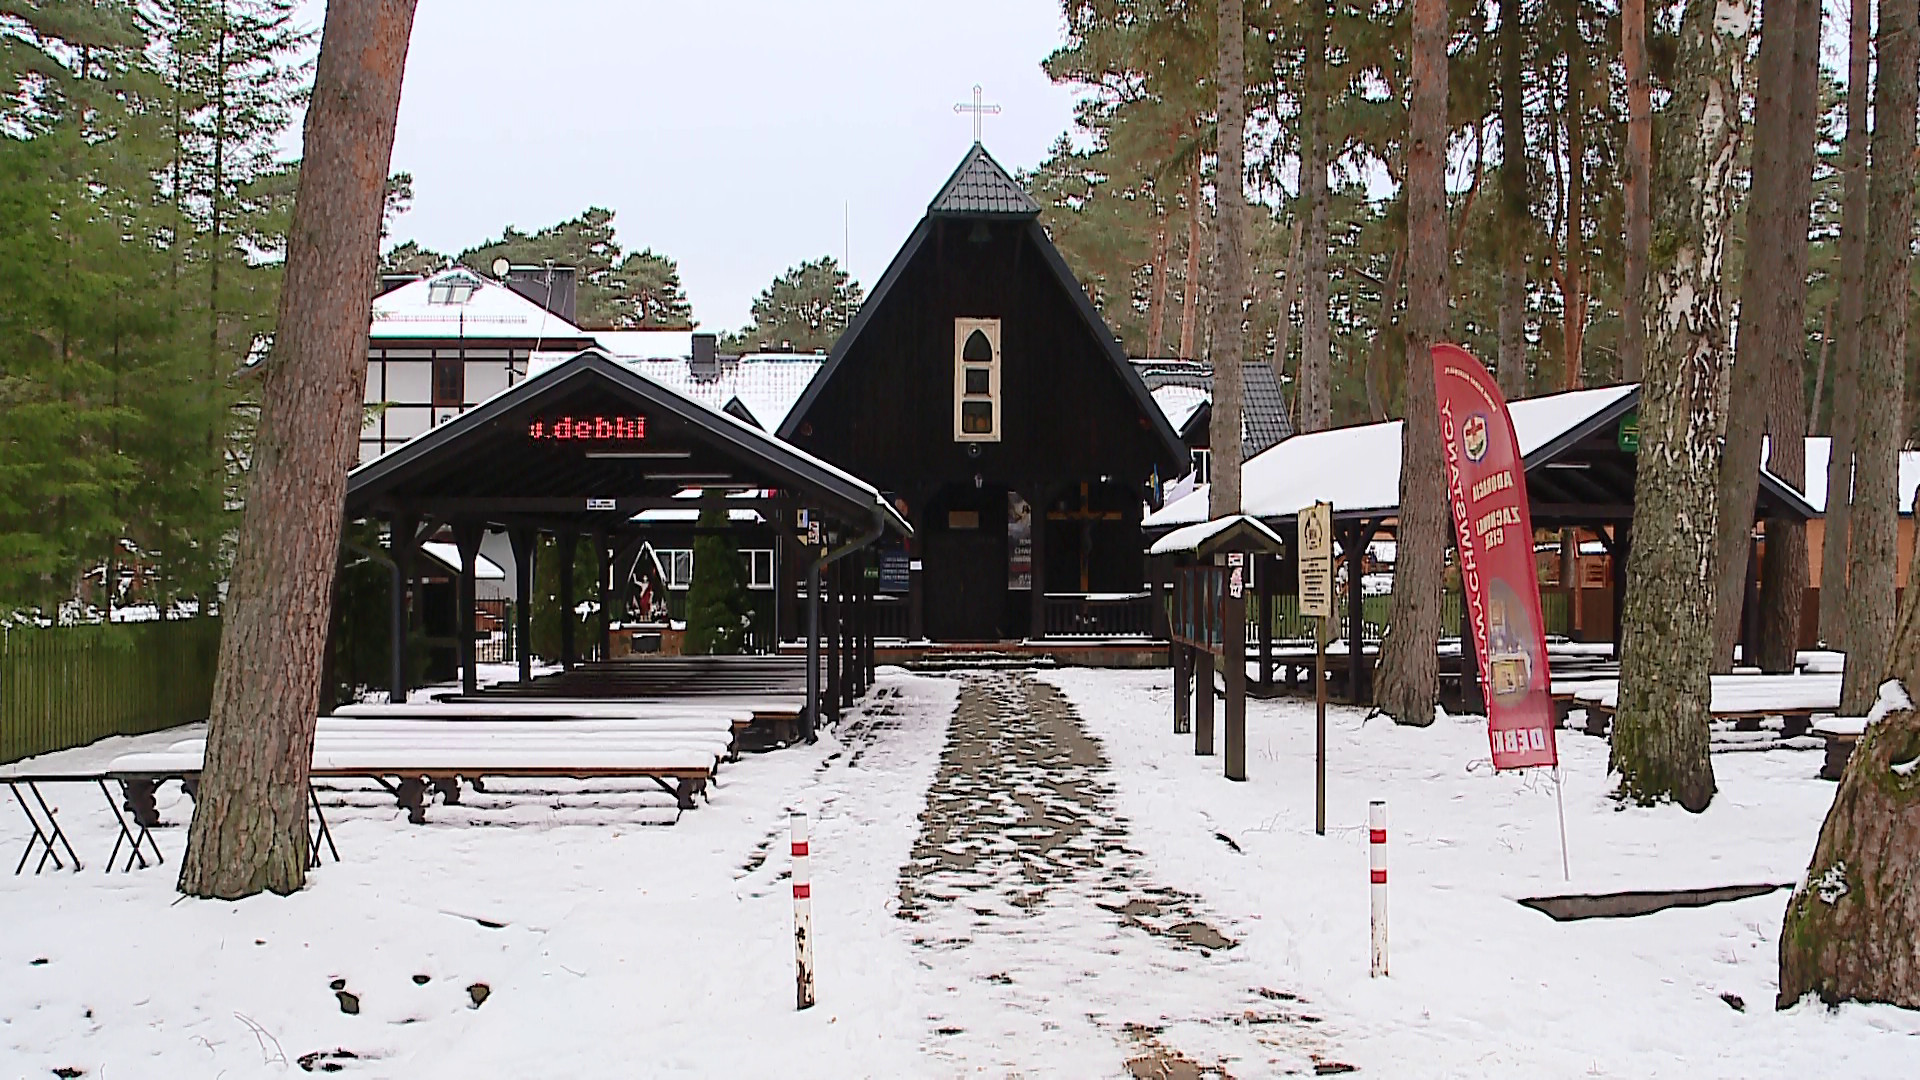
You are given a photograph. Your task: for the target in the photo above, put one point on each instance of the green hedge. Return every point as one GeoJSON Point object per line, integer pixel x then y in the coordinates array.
{"type": "Point", "coordinates": [66, 686]}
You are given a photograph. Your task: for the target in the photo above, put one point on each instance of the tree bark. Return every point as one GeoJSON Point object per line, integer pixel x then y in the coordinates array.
{"type": "Point", "coordinates": [1283, 318]}
{"type": "Point", "coordinates": [1409, 681]}
{"type": "Point", "coordinates": [1316, 337]}
{"type": "Point", "coordinates": [1573, 281]}
{"type": "Point", "coordinates": [249, 830]}
{"type": "Point", "coordinates": [1190, 303]}
{"type": "Point", "coordinates": [1851, 926]}
{"type": "Point", "coordinates": [1835, 530]}
{"type": "Point", "coordinates": [1783, 578]}
{"type": "Point", "coordinates": [1883, 350]}
{"type": "Point", "coordinates": [1660, 728]}
{"type": "Point", "coordinates": [1763, 319]}
{"type": "Point", "coordinates": [1157, 297]}
{"type": "Point", "coordinates": [1229, 261]}
{"type": "Point", "coordinates": [1637, 171]}
{"type": "Point", "coordinates": [1516, 210]}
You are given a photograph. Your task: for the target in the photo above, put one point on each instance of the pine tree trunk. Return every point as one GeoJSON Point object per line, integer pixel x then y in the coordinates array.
{"type": "Point", "coordinates": [1157, 298]}
{"type": "Point", "coordinates": [1660, 728]}
{"type": "Point", "coordinates": [1574, 315]}
{"type": "Point", "coordinates": [1316, 337]}
{"type": "Point", "coordinates": [1190, 302]}
{"type": "Point", "coordinates": [1834, 536]}
{"type": "Point", "coordinates": [1229, 262]}
{"type": "Point", "coordinates": [1516, 211]}
{"type": "Point", "coordinates": [1763, 322]}
{"type": "Point", "coordinates": [1409, 681]}
{"type": "Point", "coordinates": [1783, 579]}
{"type": "Point", "coordinates": [1637, 173]}
{"type": "Point", "coordinates": [249, 829]}
{"type": "Point", "coordinates": [1283, 315]}
{"type": "Point", "coordinates": [1851, 926]}
{"type": "Point", "coordinates": [1883, 349]}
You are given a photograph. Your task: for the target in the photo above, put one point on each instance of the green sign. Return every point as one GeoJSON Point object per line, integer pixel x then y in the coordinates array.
{"type": "Point", "coordinates": [1628, 435]}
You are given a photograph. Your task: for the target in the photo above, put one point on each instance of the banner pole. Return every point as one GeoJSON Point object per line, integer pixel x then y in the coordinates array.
{"type": "Point", "coordinates": [1560, 801]}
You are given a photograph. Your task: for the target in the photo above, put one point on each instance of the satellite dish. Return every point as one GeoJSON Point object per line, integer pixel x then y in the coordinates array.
{"type": "Point", "coordinates": [500, 268]}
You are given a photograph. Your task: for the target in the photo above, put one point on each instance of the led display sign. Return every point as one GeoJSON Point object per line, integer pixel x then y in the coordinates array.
{"type": "Point", "coordinates": [601, 429]}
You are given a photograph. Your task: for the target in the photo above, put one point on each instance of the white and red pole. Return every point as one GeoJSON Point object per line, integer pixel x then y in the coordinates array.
{"type": "Point", "coordinates": [802, 916]}
{"type": "Point", "coordinates": [1377, 871]}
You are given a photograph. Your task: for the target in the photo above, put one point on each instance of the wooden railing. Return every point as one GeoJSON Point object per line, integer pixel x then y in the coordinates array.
{"type": "Point", "coordinates": [1088, 615]}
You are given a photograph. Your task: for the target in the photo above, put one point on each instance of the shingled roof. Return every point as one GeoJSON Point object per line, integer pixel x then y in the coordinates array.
{"type": "Point", "coordinates": [981, 187]}
{"type": "Point", "coordinates": [1264, 420]}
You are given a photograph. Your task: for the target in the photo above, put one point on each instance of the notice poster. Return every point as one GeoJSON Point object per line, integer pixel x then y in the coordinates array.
{"type": "Point", "coordinates": [1487, 492]}
{"type": "Point", "coordinates": [1019, 542]}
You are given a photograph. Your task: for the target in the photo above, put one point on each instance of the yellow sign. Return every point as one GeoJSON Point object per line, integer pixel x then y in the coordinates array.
{"type": "Point", "coordinates": [1316, 559]}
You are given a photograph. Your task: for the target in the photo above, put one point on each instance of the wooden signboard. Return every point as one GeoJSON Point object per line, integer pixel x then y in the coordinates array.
{"type": "Point", "coordinates": [1316, 559]}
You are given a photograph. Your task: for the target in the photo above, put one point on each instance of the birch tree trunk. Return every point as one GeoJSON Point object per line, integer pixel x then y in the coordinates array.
{"type": "Point", "coordinates": [1883, 349]}
{"type": "Point", "coordinates": [1316, 337]}
{"type": "Point", "coordinates": [1516, 211]}
{"type": "Point", "coordinates": [1763, 321]}
{"type": "Point", "coordinates": [1834, 536]}
{"type": "Point", "coordinates": [249, 830]}
{"type": "Point", "coordinates": [1409, 681]}
{"type": "Point", "coordinates": [1660, 728]}
{"type": "Point", "coordinates": [1783, 575]}
{"type": "Point", "coordinates": [1229, 261]}
{"type": "Point", "coordinates": [1637, 171]}
{"type": "Point", "coordinates": [1851, 926]}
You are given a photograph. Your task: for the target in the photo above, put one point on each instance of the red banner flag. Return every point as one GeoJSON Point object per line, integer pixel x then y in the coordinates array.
{"type": "Point", "coordinates": [1487, 491]}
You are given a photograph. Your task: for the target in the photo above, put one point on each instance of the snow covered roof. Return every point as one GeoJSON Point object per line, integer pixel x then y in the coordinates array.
{"type": "Point", "coordinates": [1194, 538]}
{"type": "Point", "coordinates": [1358, 468]}
{"type": "Point", "coordinates": [1818, 452]}
{"type": "Point", "coordinates": [1180, 403]}
{"type": "Point", "coordinates": [1188, 389]}
{"type": "Point", "coordinates": [448, 555]}
{"type": "Point", "coordinates": [458, 303]}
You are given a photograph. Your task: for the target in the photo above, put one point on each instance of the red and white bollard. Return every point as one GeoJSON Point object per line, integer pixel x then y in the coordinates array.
{"type": "Point", "coordinates": [802, 917]}
{"type": "Point", "coordinates": [1377, 867]}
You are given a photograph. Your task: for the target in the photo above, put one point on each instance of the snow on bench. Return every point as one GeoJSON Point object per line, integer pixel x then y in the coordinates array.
{"type": "Point", "coordinates": [547, 710]}
{"type": "Point", "coordinates": [1742, 695]}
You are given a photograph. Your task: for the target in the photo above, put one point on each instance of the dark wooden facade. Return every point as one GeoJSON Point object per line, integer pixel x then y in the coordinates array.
{"type": "Point", "coordinates": [1079, 438]}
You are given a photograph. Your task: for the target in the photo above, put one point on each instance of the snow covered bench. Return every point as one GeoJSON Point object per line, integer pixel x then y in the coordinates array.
{"type": "Point", "coordinates": [1741, 698]}
{"type": "Point", "coordinates": [1842, 734]}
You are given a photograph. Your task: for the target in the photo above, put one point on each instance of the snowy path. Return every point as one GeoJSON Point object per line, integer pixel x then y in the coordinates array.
{"type": "Point", "coordinates": [1047, 947]}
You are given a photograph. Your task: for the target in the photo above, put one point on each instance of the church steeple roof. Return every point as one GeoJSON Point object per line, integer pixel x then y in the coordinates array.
{"type": "Point", "coordinates": [980, 187]}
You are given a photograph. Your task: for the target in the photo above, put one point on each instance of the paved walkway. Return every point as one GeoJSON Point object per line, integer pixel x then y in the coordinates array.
{"type": "Point", "coordinates": [1042, 933]}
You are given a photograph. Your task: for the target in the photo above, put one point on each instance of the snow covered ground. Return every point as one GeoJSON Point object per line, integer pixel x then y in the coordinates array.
{"type": "Point", "coordinates": [1061, 889]}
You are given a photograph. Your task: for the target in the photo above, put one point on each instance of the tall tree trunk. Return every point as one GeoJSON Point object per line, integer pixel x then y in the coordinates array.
{"type": "Point", "coordinates": [1190, 303]}
{"type": "Point", "coordinates": [1516, 210]}
{"type": "Point", "coordinates": [1283, 317]}
{"type": "Point", "coordinates": [1835, 529]}
{"type": "Point", "coordinates": [1851, 926]}
{"type": "Point", "coordinates": [1820, 371]}
{"type": "Point", "coordinates": [1660, 729]}
{"type": "Point", "coordinates": [1316, 337]}
{"type": "Point", "coordinates": [1574, 266]}
{"type": "Point", "coordinates": [1409, 681]}
{"type": "Point", "coordinates": [1225, 436]}
{"type": "Point", "coordinates": [1157, 297]}
{"type": "Point", "coordinates": [1883, 351]}
{"type": "Point", "coordinates": [1763, 321]}
{"type": "Point", "coordinates": [1638, 172]}
{"type": "Point", "coordinates": [1783, 579]}
{"type": "Point", "coordinates": [249, 829]}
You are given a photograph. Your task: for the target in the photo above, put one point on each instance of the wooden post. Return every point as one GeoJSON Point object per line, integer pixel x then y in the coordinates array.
{"type": "Point", "coordinates": [833, 642]}
{"type": "Point", "coordinates": [1203, 703]}
{"type": "Point", "coordinates": [1182, 687]}
{"type": "Point", "coordinates": [1750, 604]}
{"type": "Point", "coordinates": [1377, 877]}
{"type": "Point", "coordinates": [569, 543]}
{"type": "Point", "coordinates": [603, 553]}
{"type": "Point", "coordinates": [1269, 569]}
{"type": "Point", "coordinates": [1355, 541]}
{"type": "Point", "coordinates": [1234, 638]}
{"type": "Point", "coordinates": [1037, 523]}
{"type": "Point", "coordinates": [1320, 726]}
{"type": "Point", "coordinates": [1157, 598]}
{"type": "Point", "coordinates": [812, 718]}
{"type": "Point", "coordinates": [525, 542]}
{"type": "Point", "coordinates": [466, 537]}
{"type": "Point", "coordinates": [401, 540]}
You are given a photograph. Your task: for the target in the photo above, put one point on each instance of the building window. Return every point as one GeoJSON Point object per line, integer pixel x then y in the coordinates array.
{"type": "Point", "coordinates": [452, 289]}
{"type": "Point", "coordinates": [449, 383]}
{"type": "Point", "coordinates": [976, 380]}
{"type": "Point", "coordinates": [759, 568]}
{"type": "Point", "coordinates": [676, 566]}
{"type": "Point", "coordinates": [1201, 473]}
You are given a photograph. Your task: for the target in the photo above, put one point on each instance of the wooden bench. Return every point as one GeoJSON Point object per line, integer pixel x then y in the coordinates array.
{"type": "Point", "coordinates": [1842, 734]}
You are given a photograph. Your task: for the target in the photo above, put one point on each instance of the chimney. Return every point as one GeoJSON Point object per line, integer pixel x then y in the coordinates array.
{"type": "Point", "coordinates": [552, 287]}
{"type": "Point", "coordinates": [706, 358]}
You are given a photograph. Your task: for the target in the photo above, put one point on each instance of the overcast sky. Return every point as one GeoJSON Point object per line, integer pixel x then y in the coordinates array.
{"type": "Point", "coordinates": [736, 136]}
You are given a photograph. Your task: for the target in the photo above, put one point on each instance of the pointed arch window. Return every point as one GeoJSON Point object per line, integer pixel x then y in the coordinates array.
{"type": "Point", "coordinates": [976, 380]}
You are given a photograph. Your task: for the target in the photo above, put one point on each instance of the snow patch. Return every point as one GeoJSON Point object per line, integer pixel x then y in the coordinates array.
{"type": "Point", "coordinates": [1893, 698]}
{"type": "Point", "coordinates": [1832, 884]}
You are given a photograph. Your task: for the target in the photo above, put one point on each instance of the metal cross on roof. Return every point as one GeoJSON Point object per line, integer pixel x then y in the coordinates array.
{"type": "Point", "coordinates": [977, 110]}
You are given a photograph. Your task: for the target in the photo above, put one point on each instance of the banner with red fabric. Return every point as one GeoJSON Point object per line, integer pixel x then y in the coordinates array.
{"type": "Point", "coordinates": [1487, 492]}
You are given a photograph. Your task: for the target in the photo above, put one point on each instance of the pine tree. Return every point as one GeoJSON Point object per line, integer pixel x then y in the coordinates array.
{"type": "Point", "coordinates": [803, 310]}
{"type": "Point", "coordinates": [650, 294]}
{"type": "Point", "coordinates": [1835, 538]}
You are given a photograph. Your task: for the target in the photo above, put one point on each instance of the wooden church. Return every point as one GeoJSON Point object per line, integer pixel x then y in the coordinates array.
{"type": "Point", "coordinates": [982, 391]}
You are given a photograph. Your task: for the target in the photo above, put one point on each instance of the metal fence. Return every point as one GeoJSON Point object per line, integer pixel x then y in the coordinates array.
{"type": "Point", "coordinates": [66, 686]}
